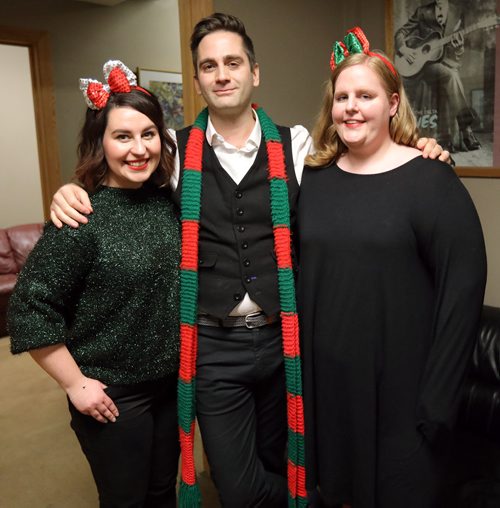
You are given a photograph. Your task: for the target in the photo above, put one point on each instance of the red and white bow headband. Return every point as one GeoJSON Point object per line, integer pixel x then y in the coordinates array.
{"type": "Point", "coordinates": [119, 79]}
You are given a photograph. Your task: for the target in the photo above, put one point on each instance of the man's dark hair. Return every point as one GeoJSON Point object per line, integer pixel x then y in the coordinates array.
{"type": "Point", "coordinates": [224, 23]}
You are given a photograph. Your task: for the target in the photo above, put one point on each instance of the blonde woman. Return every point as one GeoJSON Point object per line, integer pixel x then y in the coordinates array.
{"type": "Point", "coordinates": [390, 289]}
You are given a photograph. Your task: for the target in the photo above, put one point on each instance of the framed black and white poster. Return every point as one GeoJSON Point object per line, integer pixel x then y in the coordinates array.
{"type": "Point", "coordinates": [446, 52]}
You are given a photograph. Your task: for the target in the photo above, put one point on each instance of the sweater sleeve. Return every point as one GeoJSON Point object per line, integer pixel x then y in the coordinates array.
{"type": "Point", "coordinates": [457, 258]}
{"type": "Point", "coordinates": [41, 306]}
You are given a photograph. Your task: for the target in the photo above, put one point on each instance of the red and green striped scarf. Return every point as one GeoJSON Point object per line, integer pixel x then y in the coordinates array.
{"type": "Point", "coordinates": [189, 493]}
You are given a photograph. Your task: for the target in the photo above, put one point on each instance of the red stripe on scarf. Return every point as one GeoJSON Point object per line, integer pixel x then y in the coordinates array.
{"type": "Point", "coordinates": [290, 330]}
{"type": "Point", "coordinates": [189, 259]}
{"type": "Point", "coordinates": [187, 440]}
{"type": "Point", "coordinates": [276, 160]}
{"type": "Point", "coordinates": [282, 246]}
{"type": "Point", "coordinates": [295, 412]}
{"type": "Point", "coordinates": [189, 341]}
{"type": "Point", "coordinates": [194, 151]}
{"type": "Point", "coordinates": [297, 480]}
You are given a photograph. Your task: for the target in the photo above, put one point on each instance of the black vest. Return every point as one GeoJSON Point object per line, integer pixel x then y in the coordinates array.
{"type": "Point", "coordinates": [236, 249]}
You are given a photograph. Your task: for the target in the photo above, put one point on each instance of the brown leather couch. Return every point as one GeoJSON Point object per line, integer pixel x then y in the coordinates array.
{"type": "Point", "coordinates": [16, 243]}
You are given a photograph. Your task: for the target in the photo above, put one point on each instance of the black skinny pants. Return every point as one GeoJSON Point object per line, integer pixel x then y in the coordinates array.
{"type": "Point", "coordinates": [241, 410]}
{"type": "Point", "coordinates": [134, 460]}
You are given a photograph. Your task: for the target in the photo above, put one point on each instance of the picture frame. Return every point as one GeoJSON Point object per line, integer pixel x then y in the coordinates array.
{"type": "Point", "coordinates": [167, 86]}
{"type": "Point", "coordinates": [476, 62]}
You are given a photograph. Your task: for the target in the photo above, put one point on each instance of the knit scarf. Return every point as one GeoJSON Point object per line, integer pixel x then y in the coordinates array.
{"type": "Point", "coordinates": [189, 493]}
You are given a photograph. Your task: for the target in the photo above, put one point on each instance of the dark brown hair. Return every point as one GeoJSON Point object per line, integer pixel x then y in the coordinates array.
{"type": "Point", "coordinates": [92, 167]}
{"type": "Point", "coordinates": [224, 23]}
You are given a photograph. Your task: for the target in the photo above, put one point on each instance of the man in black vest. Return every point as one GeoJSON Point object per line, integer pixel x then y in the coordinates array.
{"type": "Point", "coordinates": [240, 383]}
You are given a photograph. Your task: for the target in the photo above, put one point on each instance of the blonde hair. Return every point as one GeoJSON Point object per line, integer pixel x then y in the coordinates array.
{"type": "Point", "coordinates": [402, 127]}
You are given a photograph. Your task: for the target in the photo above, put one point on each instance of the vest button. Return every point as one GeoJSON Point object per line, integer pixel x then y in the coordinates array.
{"type": "Point", "coordinates": [246, 262]}
{"type": "Point", "coordinates": [237, 297]}
{"type": "Point", "coordinates": [238, 194]}
{"type": "Point", "coordinates": [248, 280]}
{"type": "Point", "coordinates": [241, 229]}
{"type": "Point", "coordinates": [200, 262]}
{"type": "Point", "coordinates": [240, 211]}
{"type": "Point", "coordinates": [244, 245]}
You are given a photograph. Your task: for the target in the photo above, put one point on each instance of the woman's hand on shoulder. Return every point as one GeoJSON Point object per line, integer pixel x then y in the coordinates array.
{"type": "Point", "coordinates": [89, 397]}
{"type": "Point", "coordinates": [432, 150]}
{"type": "Point", "coordinates": [69, 205]}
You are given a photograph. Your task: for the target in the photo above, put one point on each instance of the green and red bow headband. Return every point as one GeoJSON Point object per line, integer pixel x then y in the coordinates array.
{"type": "Point", "coordinates": [355, 41]}
{"type": "Point", "coordinates": [119, 79]}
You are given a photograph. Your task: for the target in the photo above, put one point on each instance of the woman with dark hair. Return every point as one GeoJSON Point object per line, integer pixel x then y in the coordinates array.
{"type": "Point", "coordinates": [391, 282]}
{"type": "Point", "coordinates": [97, 306]}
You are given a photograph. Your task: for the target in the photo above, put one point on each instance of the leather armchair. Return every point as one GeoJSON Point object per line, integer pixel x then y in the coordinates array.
{"type": "Point", "coordinates": [15, 244]}
{"type": "Point", "coordinates": [474, 468]}
{"type": "Point", "coordinates": [481, 405]}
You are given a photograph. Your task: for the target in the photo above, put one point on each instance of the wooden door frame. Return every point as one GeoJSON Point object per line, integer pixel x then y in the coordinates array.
{"type": "Point", "coordinates": [190, 12]}
{"type": "Point", "coordinates": [38, 44]}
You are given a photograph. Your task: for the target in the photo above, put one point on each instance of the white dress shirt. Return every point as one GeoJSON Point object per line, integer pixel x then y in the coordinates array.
{"type": "Point", "coordinates": [237, 161]}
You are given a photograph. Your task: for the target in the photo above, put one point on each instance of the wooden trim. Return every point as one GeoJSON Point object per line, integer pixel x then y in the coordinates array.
{"type": "Point", "coordinates": [477, 172]}
{"type": "Point", "coordinates": [389, 29]}
{"type": "Point", "coordinates": [190, 12]}
{"type": "Point", "coordinates": [38, 44]}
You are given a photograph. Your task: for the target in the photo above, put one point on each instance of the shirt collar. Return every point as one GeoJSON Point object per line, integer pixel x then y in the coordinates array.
{"type": "Point", "coordinates": [252, 143]}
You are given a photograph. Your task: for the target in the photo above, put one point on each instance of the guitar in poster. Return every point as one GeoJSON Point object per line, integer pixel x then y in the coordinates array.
{"type": "Point", "coordinates": [446, 52]}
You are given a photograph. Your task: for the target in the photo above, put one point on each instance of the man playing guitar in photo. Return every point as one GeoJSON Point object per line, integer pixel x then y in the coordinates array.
{"type": "Point", "coordinates": [429, 47]}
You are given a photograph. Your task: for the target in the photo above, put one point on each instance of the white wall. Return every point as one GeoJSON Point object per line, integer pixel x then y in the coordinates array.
{"type": "Point", "coordinates": [20, 188]}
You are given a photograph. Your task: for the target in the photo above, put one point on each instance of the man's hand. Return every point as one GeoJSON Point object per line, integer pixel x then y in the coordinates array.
{"type": "Point", "coordinates": [409, 53]}
{"type": "Point", "coordinates": [89, 397]}
{"type": "Point", "coordinates": [457, 40]}
{"type": "Point", "coordinates": [431, 149]}
{"type": "Point", "coordinates": [68, 205]}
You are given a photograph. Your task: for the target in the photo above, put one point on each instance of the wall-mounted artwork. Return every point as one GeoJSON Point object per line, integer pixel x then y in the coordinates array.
{"type": "Point", "coordinates": [167, 86]}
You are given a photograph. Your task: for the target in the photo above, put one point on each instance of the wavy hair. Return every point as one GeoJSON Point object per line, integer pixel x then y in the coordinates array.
{"type": "Point", "coordinates": [92, 168]}
{"type": "Point", "coordinates": [402, 127]}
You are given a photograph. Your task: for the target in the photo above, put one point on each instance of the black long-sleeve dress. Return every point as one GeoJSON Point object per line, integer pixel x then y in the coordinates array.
{"type": "Point", "coordinates": [391, 283]}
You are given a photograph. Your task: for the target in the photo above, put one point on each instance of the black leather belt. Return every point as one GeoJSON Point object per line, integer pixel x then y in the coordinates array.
{"type": "Point", "coordinates": [253, 320]}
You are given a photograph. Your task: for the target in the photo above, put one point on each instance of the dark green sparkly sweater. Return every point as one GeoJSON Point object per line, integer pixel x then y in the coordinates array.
{"type": "Point", "coordinates": [109, 290]}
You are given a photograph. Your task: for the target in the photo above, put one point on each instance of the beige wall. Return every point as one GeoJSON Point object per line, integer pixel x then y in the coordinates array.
{"type": "Point", "coordinates": [21, 193]}
{"type": "Point", "coordinates": [142, 33]}
{"type": "Point", "coordinates": [486, 195]}
{"type": "Point", "coordinates": [292, 41]}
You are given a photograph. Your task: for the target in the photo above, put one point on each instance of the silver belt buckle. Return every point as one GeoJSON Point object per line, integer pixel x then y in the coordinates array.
{"type": "Point", "coordinates": [252, 314]}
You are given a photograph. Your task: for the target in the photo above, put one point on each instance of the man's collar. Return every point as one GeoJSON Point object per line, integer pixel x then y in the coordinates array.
{"type": "Point", "coordinates": [253, 141]}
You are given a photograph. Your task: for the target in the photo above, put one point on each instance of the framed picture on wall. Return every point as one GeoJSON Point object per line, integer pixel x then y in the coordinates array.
{"type": "Point", "coordinates": [446, 53]}
{"type": "Point", "coordinates": [167, 86]}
